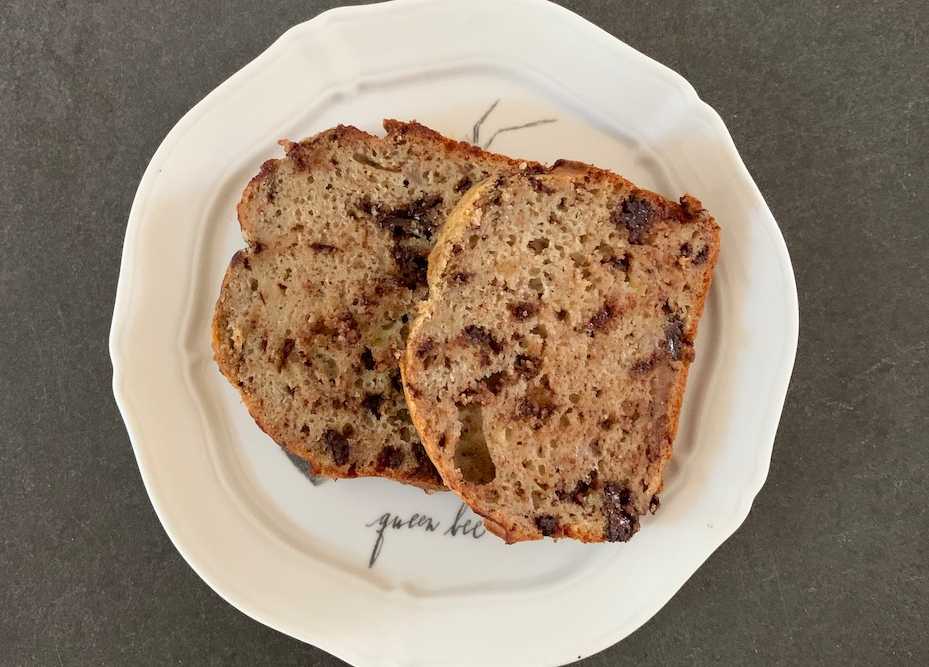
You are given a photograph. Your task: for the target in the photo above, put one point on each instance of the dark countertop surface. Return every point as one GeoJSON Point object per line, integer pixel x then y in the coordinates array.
{"type": "Point", "coordinates": [828, 103]}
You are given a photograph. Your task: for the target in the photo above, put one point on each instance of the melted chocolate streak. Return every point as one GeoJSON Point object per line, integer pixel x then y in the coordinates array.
{"type": "Point", "coordinates": [460, 527]}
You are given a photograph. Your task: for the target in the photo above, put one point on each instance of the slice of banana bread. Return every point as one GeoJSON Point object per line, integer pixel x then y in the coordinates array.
{"type": "Point", "coordinates": [545, 372]}
{"type": "Point", "coordinates": [312, 314]}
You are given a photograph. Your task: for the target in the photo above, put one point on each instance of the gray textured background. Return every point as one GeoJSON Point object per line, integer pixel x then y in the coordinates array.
{"type": "Point", "coordinates": [829, 105]}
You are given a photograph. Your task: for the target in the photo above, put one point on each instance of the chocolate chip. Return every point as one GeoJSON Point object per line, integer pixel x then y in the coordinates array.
{"type": "Point", "coordinates": [482, 336]}
{"type": "Point", "coordinates": [676, 343]}
{"type": "Point", "coordinates": [442, 440]}
{"type": "Point", "coordinates": [463, 185]}
{"type": "Point", "coordinates": [526, 366]}
{"type": "Point", "coordinates": [621, 520]}
{"type": "Point", "coordinates": [461, 277]}
{"type": "Point", "coordinates": [395, 381]}
{"type": "Point", "coordinates": [653, 504]}
{"type": "Point", "coordinates": [522, 310]}
{"type": "Point", "coordinates": [496, 381]}
{"type": "Point", "coordinates": [686, 250]}
{"type": "Point", "coordinates": [425, 348]}
{"type": "Point", "coordinates": [338, 446]}
{"type": "Point", "coordinates": [411, 266]}
{"type": "Point", "coordinates": [643, 366]}
{"type": "Point", "coordinates": [702, 255]}
{"type": "Point", "coordinates": [389, 457]}
{"type": "Point", "coordinates": [616, 262]}
{"type": "Point", "coordinates": [373, 404]}
{"type": "Point", "coordinates": [625, 497]}
{"type": "Point", "coordinates": [305, 430]}
{"type": "Point", "coordinates": [600, 319]}
{"type": "Point", "coordinates": [547, 524]}
{"type": "Point", "coordinates": [530, 409]}
{"type": "Point", "coordinates": [322, 247]}
{"type": "Point", "coordinates": [367, 359]}
{"type": "Point", "coordinates": [365, 205]}
{"type": "Point", "coordinates": [580, 491]}
{"type": "Point", "coordinates": [286, 349]}
{"type": "Point", "coordinates": [539, 186]}
{"type": "Point", "coordinates": [636, 215]}
{"type": "Point", "coordinates": [416, 219]}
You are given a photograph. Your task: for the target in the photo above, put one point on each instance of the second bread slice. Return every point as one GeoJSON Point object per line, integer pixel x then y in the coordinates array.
{"type": "Point", "coordinates": [546, 371]}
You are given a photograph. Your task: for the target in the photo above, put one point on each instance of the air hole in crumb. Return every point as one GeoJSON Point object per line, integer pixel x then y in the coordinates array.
{"type": "Point", "coordinates": [253, 284]}
{"type": "Point", "coordinates": [564, 422]}
{"type": "Point", "coordinates": [539, 330]}
{"type": "Point", "coordinates": [472, 240]}
{"type": "Point", "coordinates": [574, 398]}
{"type": "Point", "coordinates": [511, 240]}
{"type": "Point", "coordinates": [472, 457]}
{"type": "Point", "coordinates": [536, 499]}
{"type": "Point", "coordinates": [536, 284]}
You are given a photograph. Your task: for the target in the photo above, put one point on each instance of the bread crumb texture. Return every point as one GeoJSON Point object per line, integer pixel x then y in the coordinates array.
{"type": "Point", "coordinates": [546, 371]}
{"type": "Point", "coordinates": [313, 314]}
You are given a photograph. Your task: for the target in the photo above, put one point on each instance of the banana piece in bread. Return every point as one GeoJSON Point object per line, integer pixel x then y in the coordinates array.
{"type": "Point", "coordinates": [312, 314]}
{"type": "Point", "coordinates": [545, 372]}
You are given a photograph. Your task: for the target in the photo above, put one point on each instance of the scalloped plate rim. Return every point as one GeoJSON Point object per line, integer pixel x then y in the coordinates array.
{"type": "Point", "coordinates": [127, 284]}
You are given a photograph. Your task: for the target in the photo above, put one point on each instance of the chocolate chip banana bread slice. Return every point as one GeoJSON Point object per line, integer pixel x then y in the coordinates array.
{"type": "Point", "coordinates": [545, 372]}
{"type": "Point", "coordinates": [312, 314]}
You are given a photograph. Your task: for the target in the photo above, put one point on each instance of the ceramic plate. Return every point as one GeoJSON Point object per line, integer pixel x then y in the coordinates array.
{"type": "Point", "coordinates": [353, 566]}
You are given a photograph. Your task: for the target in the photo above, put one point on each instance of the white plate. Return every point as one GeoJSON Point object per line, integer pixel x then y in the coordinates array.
{"type": "Point", "coordinates": [296, 556]}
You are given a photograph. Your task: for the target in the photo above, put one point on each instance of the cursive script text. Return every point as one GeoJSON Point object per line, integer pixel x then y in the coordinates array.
{"type": "Point", "coordinates": [459, 527]}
